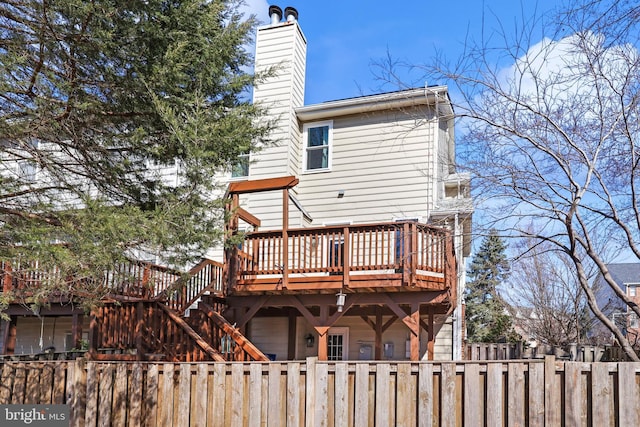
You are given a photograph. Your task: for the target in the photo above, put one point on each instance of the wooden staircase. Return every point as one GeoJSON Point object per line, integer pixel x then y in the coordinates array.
{"type": "Point", "coordinates": [182, 321]}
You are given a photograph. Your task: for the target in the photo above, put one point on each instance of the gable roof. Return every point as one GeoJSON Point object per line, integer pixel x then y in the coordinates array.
{"type": "Point", "coordinates": [625, 273]}
{"type": "Point", "coordinates": [435, 95]}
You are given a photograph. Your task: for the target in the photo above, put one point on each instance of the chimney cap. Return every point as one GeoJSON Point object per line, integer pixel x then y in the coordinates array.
{"type": "Point", "coordinates": [290, 13]}
{"type": "Point", "coordinates": [275, 13]}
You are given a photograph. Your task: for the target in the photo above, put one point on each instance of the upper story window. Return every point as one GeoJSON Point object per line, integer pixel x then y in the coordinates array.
{"type": "Point", "coordinates": [317, 146]}
{"type": "Point", "coordinates": [241, 168]}
{"type": "Point", "coordinates": [632, 290]}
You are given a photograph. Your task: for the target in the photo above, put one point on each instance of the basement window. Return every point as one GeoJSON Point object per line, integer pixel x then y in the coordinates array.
{"type": "Point", "coordinates": [317, 138]}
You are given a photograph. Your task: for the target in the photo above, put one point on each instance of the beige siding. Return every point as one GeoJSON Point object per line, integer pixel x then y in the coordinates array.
{"type": "Point", "coordinates": [270, 335]}
{"type": "Point", "coordinates": [383, 161]}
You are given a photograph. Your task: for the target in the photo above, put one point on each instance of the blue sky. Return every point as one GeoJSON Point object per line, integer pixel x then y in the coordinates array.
{"type": "Point", "coordinates": [345, 37]}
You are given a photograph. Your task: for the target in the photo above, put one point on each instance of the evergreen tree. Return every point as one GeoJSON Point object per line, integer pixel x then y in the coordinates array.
{"type": "Point", "coordinates": [485, 311]}
{"type": "Point", "coordinates": [114, 118]}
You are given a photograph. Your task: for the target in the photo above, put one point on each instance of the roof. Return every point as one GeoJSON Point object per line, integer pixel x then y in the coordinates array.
{"type": "Point", "coordinates": [625, 273]}
{"type": "Point", "coordinates": [383, 101]}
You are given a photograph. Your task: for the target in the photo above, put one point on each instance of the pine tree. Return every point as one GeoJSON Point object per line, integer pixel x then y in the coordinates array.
{"type": "Point", "coordinates": [485, 311]}
{"type": "Point", "coordinates": [114, 118]}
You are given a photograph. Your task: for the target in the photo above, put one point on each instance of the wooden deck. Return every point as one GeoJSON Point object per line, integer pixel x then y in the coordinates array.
{"type": "Point", "coordinates": [385, 257]}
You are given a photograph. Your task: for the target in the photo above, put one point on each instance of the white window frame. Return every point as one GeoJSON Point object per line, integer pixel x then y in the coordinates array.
{"type": "Point", "coordinates": [344, 331]}
{"type": "Point", "coordinates": [305, 135]}
{"type": "Point", "coordinates": [632, 290]}
{"type": "Point", "coordinates": [242, 158]}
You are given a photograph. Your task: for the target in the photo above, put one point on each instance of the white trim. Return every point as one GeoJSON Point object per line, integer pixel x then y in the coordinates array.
{"type": "Point", "coordinates": [329, 124]}
{"type": "Point", "coordinates": [344, 331]}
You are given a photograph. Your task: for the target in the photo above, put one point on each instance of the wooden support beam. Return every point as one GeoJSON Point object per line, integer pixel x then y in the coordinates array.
{"type": "Point", "coordinates": [415, 338]}
{"type": "Point", "coordinates": [378, 332]}
{"type": "Point", "coordinates": [234, 333]}
{"type": "Point", "coordinates": [322, 345]}
{"type": "Point", "coordinates": [408, 320]}
{"type": "Point", "coordinates": [248, 315]}
{"type": "Point", "coordinates": [258, 185]}
{"type": "Point", "coordinates": [292, 334]}
{"type": "Point", "coordinates": [285, 237]}
{"type": "Point", "coordinates": [247, 217]}
{"type": "Point", "coordinates": [431, 339]}
{"type": "Point", "coordinates": [213, 353]}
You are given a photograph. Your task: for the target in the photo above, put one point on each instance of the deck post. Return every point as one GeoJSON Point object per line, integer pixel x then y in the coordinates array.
{"type": "Point", "coordinates": [378, 331]}
{"type": "Point", "coordinates": [323, 342]}
{"type": "Point", "coordinates": [415, 336]}
{"type": "Point", "coordinates": [291, 341]}
{"type": "Point", "coordinates": [431, 339]}
{"type": "Point", "coordinates": [285, 237]}
{"type": "Point", "coordinates": [406, 254]}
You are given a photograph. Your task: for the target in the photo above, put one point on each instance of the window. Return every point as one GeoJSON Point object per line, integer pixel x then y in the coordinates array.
{"type": "Point", "coordinates": [633, 321]}
{"type": "Point", "coordinates": [337, 343]}
{"type": "Point", "coordinates": [241, 168]}
{"type": "Point", "coordinates": [27, 170]}
{"type": "Point", "coordinates": [632, 291]}
{"type": "Point", "coordinates": [317, 140]}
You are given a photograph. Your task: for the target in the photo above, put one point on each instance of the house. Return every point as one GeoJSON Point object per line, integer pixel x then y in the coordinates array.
{"type": "Point", "coordinates": [351, 233]}
{"type": "Point", "coordinates": [627, 277]}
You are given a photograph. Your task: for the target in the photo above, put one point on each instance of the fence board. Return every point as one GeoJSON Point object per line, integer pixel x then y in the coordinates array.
{"type": "Point", "coordinates": [341, 411]}
{"type": "Point", "coordinates": [573, 394]}
{"type": "Point", "coordinates": [322, 388]}
{"type": "Point", "coordinates": [91, 411]}
{"type": "Point", "coordinates": [405, 397]}
{"type": "Point", "coordinates": [165, 399]}
{"type": "Point", "coordinates": [472, 396]}
{"type": "Point", "coordinates": [361, 396]}
{"type": "Point", "coordinates": [20, 378]}
{"type": "Point", "coordinates": [495, 394]}
{"type": "Point", "coordinates": [536, 394]}
{"type": "Point", "coordinates": [237, 395]}
{"type": "Point", "coordinates": [551, 393]}
{"type": "Point", "coordinates": [150, 403]}
{"type": "Point", "coordinates": [184, 396]}
{"type": "Point", "coordinates": [219, 413]}
{"type": "Point", "coordinates": [601, 393]}
{"type": "Point", "coordinates": [135, 393]}
{"type": "Point", "coordinates": [383, 401]}
{"type": "Point", "coordinates": [105, 396]}
{"type": "Point", "coordinates": [7, 384]}
{"type": "Point", "coordinates": [448, 395]}
{"type": "Point", "coordinates": [425, 395]}
{"type": "Point", "coordinates": [255, 391]}
{"type": "Point", "coordinates": [120, 397]}
{"type": "Point", "coordinates": [628, 393]}
{"type": "Point", "coordinates": [515, 393]}
{"type": "Point", "coordinates": [32, 382]}
{"type": "Point", "coordinates": [293, 395]}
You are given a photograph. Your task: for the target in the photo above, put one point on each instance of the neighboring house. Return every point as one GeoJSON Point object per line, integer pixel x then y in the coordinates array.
{"type": "Point", "coordinates": [355, 230]}
{"type": "Point", "coordinates": [627, 277]}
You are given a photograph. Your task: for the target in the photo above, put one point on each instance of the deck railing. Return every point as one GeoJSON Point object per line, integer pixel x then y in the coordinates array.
{"type": "Point", "coordinates": [387, 248]}
{"type": "Point", "coordinates": [131, 277]}
{"type": "Point", "coordinates": [206, 276]}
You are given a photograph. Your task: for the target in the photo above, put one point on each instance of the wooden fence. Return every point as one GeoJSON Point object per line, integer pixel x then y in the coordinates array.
{"type": "Point", "coordinates": [311, 393]}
